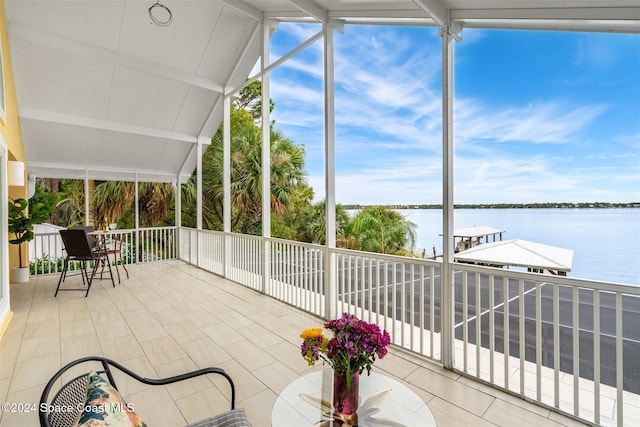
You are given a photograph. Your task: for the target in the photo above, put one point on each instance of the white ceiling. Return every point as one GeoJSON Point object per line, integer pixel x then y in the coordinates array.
{"type": "Point", "coordinates": [100, 88]}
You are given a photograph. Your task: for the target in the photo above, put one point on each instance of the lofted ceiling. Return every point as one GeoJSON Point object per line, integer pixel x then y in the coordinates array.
{"type": "Point", "coordinates": [105, 93]}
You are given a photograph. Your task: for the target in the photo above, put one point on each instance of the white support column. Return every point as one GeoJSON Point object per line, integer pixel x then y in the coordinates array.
{"type": "Point", "coordinates": [87, 202]}
{"type": "Point", "coordinates": [199, 186]}
{"type": "Point", "coordinates": [226, 182]}
{"type": "Point", "coordinates": [198, 200]}
{"type": "Point", "coordinates": [447, 280]}
{"type": "Point", "coordinates": [178, 190]}
{"type": "Point", "coordinates": [329, 173]}
{"type": "Point", "coordinates": [266, 156]}
{"type": "Point", "coordinates": [86, 198]}
{"type": "Point", "coordinates": [226, 164]}
{"type": "Point", "coordinates": [178, 215]}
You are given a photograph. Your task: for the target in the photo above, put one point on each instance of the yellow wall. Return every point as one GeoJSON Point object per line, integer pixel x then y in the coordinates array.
{"type": "Point", "coordinates": [10, 129]}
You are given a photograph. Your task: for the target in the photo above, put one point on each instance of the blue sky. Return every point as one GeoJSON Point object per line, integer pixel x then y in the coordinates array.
{"type": "Point", "coordinates": [539, 116]}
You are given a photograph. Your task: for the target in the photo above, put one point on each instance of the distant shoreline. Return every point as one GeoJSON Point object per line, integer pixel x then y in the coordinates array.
{"type": "Point", "coordinates": [582, 205]}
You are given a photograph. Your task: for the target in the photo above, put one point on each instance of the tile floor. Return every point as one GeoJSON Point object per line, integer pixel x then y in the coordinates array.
{"type": "Point", "coordinates": [170, 317]}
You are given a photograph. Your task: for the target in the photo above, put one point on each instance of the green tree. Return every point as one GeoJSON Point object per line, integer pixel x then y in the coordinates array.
{"type": "Point", "coordinates": [287, 176]}
{"type": "Point", "coordinates": [289, 190]}
{"type": "Point", "coordinates": [250, 100]}
{"type": "Point", "coordinates": [312, 224]}
{"type": "Point", "coordinates": [382, 230]}
{"type": "Point", "coordinates": [111, 200]}
{"type": "Point", "coordinates": [70, 206]}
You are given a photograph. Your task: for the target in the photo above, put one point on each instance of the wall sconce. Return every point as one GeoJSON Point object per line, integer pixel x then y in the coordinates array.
{"type": "Point", "coordinates": [15, 173]}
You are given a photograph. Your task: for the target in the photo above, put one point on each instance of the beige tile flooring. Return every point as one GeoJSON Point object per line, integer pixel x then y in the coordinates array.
{"type": "Point", "coordinates": [170, 317]}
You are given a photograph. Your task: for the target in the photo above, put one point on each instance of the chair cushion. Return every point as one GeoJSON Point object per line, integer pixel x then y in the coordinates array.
{"type": "Point", "coordinates": [233, 418]}
{"type": "Point", "coordinates": [105, 407]}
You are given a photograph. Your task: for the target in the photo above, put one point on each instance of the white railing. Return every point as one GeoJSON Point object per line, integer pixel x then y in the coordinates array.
{"type": "Point", "coordinates": [297, 275]}
{"type": "Point", "coordinates": [546, 321]}
{"type": "Point", "coordinates": [397, 293]}
{"type": "Point", "coordinates": [154, 243]}
{"type": "Point", "coordinates": [143, 245]}
{"type": "Point", "coordinates": [402, 295]}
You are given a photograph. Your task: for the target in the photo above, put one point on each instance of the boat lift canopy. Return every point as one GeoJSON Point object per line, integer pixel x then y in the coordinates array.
{"type": "Point", "coordinates": [536, 257]}
{"type": "Point", "coordinates": [477, 231]}
{"type": "Point", "coordinates": [472, 236]}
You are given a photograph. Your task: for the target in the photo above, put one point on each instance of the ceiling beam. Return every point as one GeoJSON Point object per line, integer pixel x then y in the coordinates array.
{"type": "Point", "coordinates": [552, 13]}
{"type": "Point", "coordinates": [88, 122]}
{"type": "Point", "coordinates": [436, 10]}
{"type": "Point", "coordinates": [442, 16]}
{"type": "Point", "coordinates": [80, 48]}
{"type": "Point", "coordinates": [311, 9]}
{"type": "Point", "coordinates": [74, 171]}
{"type": "Point", "coordinates": [244, 8]}
{"type": "Point", "coordinates": [319, 13]}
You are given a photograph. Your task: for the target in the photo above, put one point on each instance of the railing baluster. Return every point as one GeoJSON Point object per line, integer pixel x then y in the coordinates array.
{"type": "Point", "coordinates": [403, 304]}
{"type": "Point", "coordinates": [556, 346]}
{"type": "Point", "coordinates": [432, 310]}
{"type": "Point", "coordinates": [465, 317]}
{"type": "Point", "coordinates": [619, 362]}
{"type": "Point", "coordinates": [378, 287]}
{"type": "Point", "coordinates": [478, 324]}
{"type": "Point", "coordinates": [346, 300]}
{"type": "Point", "coordinates": [412, 306]}
{"type": "Point", "coordinates": [491, 327]}
{"type": "Point", "coordinates": [505, 331]}
{"type": "Point", "coordinates": [394, 301]}
{"type": "Point", "coordinates": [596, 356]}
{"type": "Point", "coordinates": [363, 275]}
{"type": "Point", "coordinates": [576, 352]}
{"type": "Point", "coordinates": [538, 341]}
{"type": "Point", "coordinates": [522, 337]}
{"type": "Point", "coordinates": [370, 290]}
{"type": "Point", "coordinates": [386, 295]}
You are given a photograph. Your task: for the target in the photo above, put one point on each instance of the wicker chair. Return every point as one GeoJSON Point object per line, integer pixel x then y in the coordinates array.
{"type": "Point", "coordinates": [66, 406]}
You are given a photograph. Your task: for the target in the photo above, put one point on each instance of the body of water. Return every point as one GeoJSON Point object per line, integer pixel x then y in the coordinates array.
{"type": "Point", "coordinates": [606, 242]}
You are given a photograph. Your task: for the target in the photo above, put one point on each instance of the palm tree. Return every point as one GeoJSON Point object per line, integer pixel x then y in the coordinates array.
{"type": "Point", "coordinates": [70, 207]}
{"type": "Point", "coordinates": [111, 199]}
{"type": "Point", "coordinates": [287, 175]}
{"type": "Point", "coordinates": [312, 224]}
{"type": "Point", "coordinates": [382, 230]}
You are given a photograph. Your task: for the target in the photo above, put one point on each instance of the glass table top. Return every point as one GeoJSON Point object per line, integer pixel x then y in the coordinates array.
{"type": "Point", "coordinates": [384, 401]}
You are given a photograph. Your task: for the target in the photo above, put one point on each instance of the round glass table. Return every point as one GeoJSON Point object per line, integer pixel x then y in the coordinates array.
{"type": "Point", "coordinates": [384, 401]}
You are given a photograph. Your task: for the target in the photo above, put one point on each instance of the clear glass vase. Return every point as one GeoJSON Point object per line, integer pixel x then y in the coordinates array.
{"type": "Point", "coordinates": [345, 399]}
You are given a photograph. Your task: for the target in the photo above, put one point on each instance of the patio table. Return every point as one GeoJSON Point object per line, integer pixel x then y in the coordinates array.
{"type": "Point", "coordinates": [384, 401]}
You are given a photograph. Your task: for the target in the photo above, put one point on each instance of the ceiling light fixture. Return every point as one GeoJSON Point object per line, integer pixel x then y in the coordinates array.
{"type": "Point", "coordinates": [161, 16]}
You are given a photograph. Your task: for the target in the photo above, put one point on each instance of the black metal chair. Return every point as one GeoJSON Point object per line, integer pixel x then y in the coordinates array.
{"type": "Point", "coordinates": [110, 246]}
{"type": "Point", "coordinates": [93, 242]}
{"type": "Point", "coordinates": [64, 409]}
{"type": "Point", "coordinates": [78, 248]}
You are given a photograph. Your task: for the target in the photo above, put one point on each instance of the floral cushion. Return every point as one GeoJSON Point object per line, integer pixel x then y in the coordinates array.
{"type": "Point", "coordinates": [104, 407]}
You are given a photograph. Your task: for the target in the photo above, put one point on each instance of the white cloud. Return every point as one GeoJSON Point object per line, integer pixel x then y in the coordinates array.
{"type": "Point", "coordinates": [553, 121]}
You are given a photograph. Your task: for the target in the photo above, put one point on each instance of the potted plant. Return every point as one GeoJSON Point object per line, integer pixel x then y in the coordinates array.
{"type": "Point", "coordinates": [21, 225]}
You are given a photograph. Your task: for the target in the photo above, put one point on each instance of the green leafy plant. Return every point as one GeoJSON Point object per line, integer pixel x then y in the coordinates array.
{"type": "Point", "coordinates": [21, 223]}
